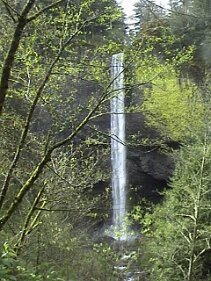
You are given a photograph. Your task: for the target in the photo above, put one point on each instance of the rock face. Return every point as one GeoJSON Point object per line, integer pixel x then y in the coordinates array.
{"type": "Point", "coordinates": [148, 167]}
{"type": "Point", "coordinates": [148, 172]}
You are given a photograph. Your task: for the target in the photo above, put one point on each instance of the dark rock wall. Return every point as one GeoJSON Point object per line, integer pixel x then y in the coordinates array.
{"type": "Point", "coordinates": [149, 168]}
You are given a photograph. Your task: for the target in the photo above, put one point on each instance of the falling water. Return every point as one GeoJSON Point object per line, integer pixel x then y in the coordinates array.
{"type": "Point", "coordinates": [118, 149]}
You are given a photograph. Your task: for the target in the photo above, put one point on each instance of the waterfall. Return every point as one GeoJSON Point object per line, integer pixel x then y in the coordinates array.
{"type": "Point", "coordinates": [118, 149]}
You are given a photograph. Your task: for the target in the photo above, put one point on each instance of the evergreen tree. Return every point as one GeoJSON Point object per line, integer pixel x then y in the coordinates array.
{"type": "Point", "coordinates": [190, 21]}
{"type": "Point", "coordinates": [147, 11]}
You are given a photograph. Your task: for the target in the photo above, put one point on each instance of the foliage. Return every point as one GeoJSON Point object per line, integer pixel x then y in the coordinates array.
{"type": "Point", "coordinates": [171, 107]}
{"type": "Point", "coordinates": [53, 152]}
{"type": "Point", "coordinates": [58, 82]}
{"type": "Point", "coordinates": [171, 104]}
{"type": "Point", "coordinates": [51, 59]}
{"type": "Point", "coordinates": [12, 269]}
{"type": "Point", "coordinates": [177, 239]}
{"type": "Point", "coordinates": [80, 261]}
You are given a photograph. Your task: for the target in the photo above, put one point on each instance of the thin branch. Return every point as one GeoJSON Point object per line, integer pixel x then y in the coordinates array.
{"type": "Point", "coordinates": [25, 228]}
{"type": "Point", "coordinates": [40, 12]}
{"type": "Point", "coordinates": [76, 209]}
{"type": "Point", "coordinates": [10, 7]}
{"type": "Point", "coordinates": [150, 147]}
{"type": "Point", "coordinates": [197, 212]}
{"type": "Point", "coordinates": [173, 11]}
{"type": "Point", "coordinates": [10, 10]}
{"type": "Point", "coordinates": [28, 84]}
{"type": "Point", "coordinates": [63, 210]}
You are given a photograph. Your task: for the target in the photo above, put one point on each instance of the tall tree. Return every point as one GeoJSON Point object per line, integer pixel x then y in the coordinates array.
{"type": "Point", "coordinates": [147, 11]}
{"type": "Point", "coordinates": [190, 21]}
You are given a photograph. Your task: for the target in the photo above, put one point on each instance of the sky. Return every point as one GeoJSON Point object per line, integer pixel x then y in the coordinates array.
{"type": "Point", "coordinates": [128, 5]}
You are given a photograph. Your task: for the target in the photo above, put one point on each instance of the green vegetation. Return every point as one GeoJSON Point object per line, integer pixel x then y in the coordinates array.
{"type": "Point", "coordinates": [55, 89]}
{"type": "Point", "coordinates": [177, 234]}
{"type": "Point", "coordinates": [54, 80]}
{"type": "Point", "coordinates": [176, 241]}
{"type": "Point", "coordinates": [171, 107]}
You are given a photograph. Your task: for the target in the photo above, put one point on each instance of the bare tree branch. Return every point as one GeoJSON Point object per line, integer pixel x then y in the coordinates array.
{"type": "Point", "coordinates": [26, 228]}
{"type": "Point", "coordinates": [10, 10]}
{"type": "Point", "coordinates": [40, 12]}
{"type": "Point", "coordinates": [10, 7]}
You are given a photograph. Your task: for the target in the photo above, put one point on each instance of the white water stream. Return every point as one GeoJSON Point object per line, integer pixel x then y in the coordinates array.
{"type": "Point", "coordinates": [118, 148]}
{"type": "Point", "coordinates": [119, 227]}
